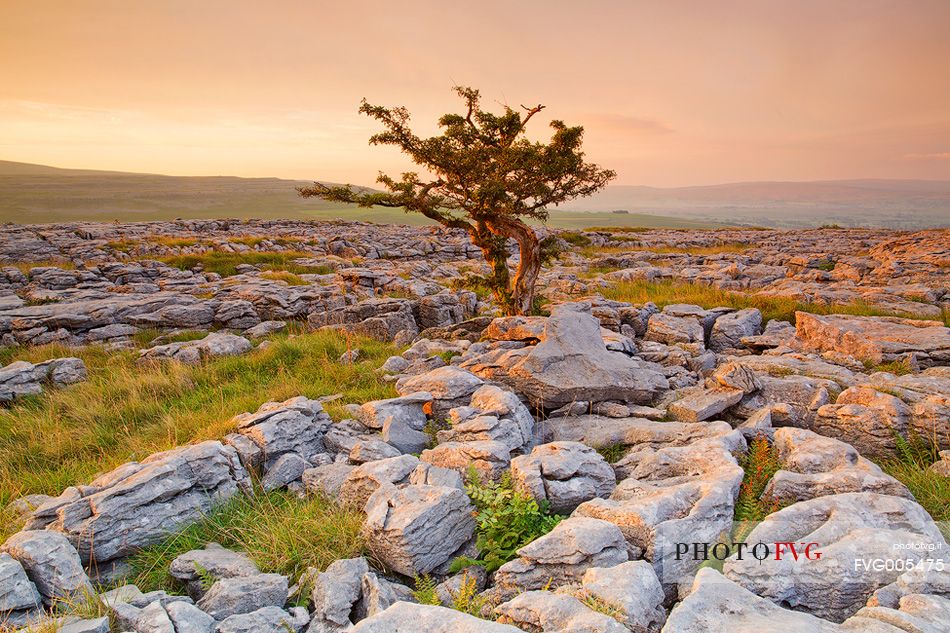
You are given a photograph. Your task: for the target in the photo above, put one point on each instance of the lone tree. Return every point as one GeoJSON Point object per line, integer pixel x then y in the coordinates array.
{"type": "Point", "coordinates": [486, 178]}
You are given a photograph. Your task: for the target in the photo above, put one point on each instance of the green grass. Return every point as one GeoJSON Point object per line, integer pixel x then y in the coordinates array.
{"type": "Point", "coordinates": [575, 238]}
{"type": "Point", "coordinates": [291, 279]}
{"type": "Point", "coordinates": [613, 453]}
{"type": "Point", "coordinates": [126, 410]}
{"type": "Point", "coordinates": [225, 264]}
{"type": "Point", "coordinates": [279, 532]}
{"type": "Point", "coordinates": [664, 293]}
{"type": "Point", "coordinates": [25, 267]}
{"type": "Point", "coordinates": [911, 467]}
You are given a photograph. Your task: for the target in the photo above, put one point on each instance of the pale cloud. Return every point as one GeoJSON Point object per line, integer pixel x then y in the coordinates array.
{"type": "Point", "coordinates": [930, 156]}
{"type": "Point", "coordinates": [624, 123]}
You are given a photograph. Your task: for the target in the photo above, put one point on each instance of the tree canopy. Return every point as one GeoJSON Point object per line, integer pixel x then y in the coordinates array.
{"type": "Point", "coordinates": [486, 177]}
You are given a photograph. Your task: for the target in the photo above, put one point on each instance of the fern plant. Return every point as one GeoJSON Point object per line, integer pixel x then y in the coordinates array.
{"type": "Point", "coordinates": [467, 599]}
{"type": "Point", "coordinates": [506, 519]}
{"type": "Point", "coordinates": [425, 591]}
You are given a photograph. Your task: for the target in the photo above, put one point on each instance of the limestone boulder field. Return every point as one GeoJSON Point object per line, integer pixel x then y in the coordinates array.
{"type": "Point", "coordinates": [484, 473]}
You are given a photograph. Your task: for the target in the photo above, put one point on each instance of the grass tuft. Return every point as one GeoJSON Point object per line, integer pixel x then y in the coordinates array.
{"type": "Point", "coordinates": [289, 278]}
{"type": "Point", "coordinates": [911, 467]}
{"type": "Point", "coordinates": [613, 453]}
{"type": "Point", "coordinates": [225, 264]}
{"type": "Point", "coordinates": [279, 532]}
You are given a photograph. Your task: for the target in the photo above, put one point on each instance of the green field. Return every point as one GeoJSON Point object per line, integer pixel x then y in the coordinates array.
{"type": "Point", "coordinates": [34, 194]}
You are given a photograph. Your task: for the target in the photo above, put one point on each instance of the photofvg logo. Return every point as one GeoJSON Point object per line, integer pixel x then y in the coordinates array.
{"type": "Point", "coordinates": [790, 556]}
{"type": "Point", "coordinates": [720, 551]}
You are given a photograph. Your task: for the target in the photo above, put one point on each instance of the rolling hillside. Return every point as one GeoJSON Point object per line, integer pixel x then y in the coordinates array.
{"type": "Point", "coordinates": [41, 194]}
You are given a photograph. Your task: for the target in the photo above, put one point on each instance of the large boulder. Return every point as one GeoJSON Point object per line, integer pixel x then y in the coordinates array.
{"type": "Point", "coordinates": [139, 503]}
{"type": "Point", "coordinates": [361, 482]}
{"type": "Point", "coordinates": [572, 363]}
{"type": "Point", "coordinates": [671, 329]}
{"type": "Point", "coordinates": [488, 458]}
{"type": "Point", "coordinates": [449, 386]}
{"type": "Point", "coordinates": [21, 378]}
{"type": "Point", "coordinates": [633, 589]}
{"type": "Point", "coordinates": [191, 568]}
{"type": "Point", "coordinates": [865, 540]}
{"type": "Point", "coordinates": [677, 494]}
{"type": "Point", "coordinates": [702, 404]}
{"type": "Point", "coordinates": [19, 598]}
{"type": "Point", "coordinates": [264, 620]}
{"type": "Point", "coordinates": [601, 431]}
{"type": "Point", "coordinates": [336, 591]}
{"type": "Point", "coordinates": [729, 329]}
{"type": "Point", "coordinates": [549, 611]}
{"type": "Point", "coordinates": [865, 418]}
{"type": "Point", "coordinates": [416, 529]}
{"type": "Point", "coordinates": [814, 466]}
{"type": "Point", "coordinates": [193, 352]}
{"type": "Point", "coordinates": [401, 420]}
{"type": "Point", "coordinates": [875, 339]}
{"type": "Point", "coordinates": [563, 555]}
{"type": "Point", "coordinates": [405, 617]}
{"type": "Point", "coordinates": [563, 474]}
{"type": "Point", "coordinates": [244, 594]}
{"type": "Point", "coordinates": [51, 562]}
{"type": "Point", "coordinates": [380, 319]}
{"type": "Point", "coordinates": [297, 425]}
{"type": "Point", "coordinates": [718, 604]}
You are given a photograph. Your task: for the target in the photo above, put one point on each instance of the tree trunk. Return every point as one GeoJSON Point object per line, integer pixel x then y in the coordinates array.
{"type": "Point", "coordinates": [522, 289]}
{"type": "Point", "coordinates": [495, 251]}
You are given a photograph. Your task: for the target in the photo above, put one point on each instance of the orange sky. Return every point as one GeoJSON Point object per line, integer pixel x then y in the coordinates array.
{"type": "Point", "coordinates": [670, 93]}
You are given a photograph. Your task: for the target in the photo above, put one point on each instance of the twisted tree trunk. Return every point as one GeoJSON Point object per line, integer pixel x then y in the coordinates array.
{"type": "Point", "coordinates": [522, 289]}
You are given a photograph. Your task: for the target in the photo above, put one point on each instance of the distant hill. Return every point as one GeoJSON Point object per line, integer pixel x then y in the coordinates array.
{"type": "Point", "coordinates": [889, 203]}
{"type": "Point", "coordinates": [38, 193]}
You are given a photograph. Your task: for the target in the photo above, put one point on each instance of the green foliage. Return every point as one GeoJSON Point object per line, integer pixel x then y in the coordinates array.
{"type": "Point", "coordinates": [291, 279]}
{"type": "Point", "coordinates": [278, 531]}
{"type": "Point", "coordinates": [827, 266]}
{"type": "Point", "coordinates": [489, 180]}
{"type": "Point", "coordinates": [127, 410]}
{"type": "Point", "coordinates": [479, 284]}
{"type": "Point", "coordinates": [467, 599]}
{"type": "Point", "coordinates": [205, 577]}
{"type": "Point", "coordinates": [425, 591]}
{"type": "Point", "coordinates": [613, 453]}
{"type": "Point", "coordinates": [760, 463]}
{"type": "Point", "coordinates": [911, 466]}
{"type": "Point", "coordinates": [897, 367]}
{"type": "Point", "coordinates": [575, 238]}
{"type": "Point", "coordinates": [448, 355]}
{"type": "Point", "coordinates": [506, 519]}
{"type": "Point", "coordinates": [432, 428]}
